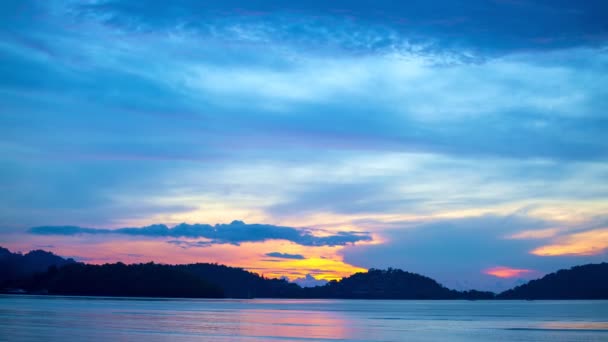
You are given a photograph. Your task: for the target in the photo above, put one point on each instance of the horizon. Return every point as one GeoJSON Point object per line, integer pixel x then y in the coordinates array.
{"type": "Point", "coordinates": [308, 280]}
{"type": "Point", "coordinates": [464, 141]}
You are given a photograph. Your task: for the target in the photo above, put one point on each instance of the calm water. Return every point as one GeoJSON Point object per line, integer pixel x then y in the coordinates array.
{"type": "Point", "coordinates": [28, 318]}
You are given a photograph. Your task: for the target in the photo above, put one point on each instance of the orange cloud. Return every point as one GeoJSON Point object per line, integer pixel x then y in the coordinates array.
{"type": "Point", "coordinates": [586, 243]}
{"type": "Point", "coordinates": [323, 262]}
{"type": "Point", "coordinates": [506, 272]}
{"type": "Point", "coordinates": [534, 234]}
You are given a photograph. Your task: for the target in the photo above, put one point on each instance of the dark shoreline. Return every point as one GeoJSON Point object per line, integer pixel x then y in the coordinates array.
{"type": "Point", "coordinates": [43, 273]}
{"type": "Point", "coordinates": [142, 298]}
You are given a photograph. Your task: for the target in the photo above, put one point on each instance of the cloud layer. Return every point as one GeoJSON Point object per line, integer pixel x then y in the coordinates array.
{"type": "Point", "coordinates": [285, 255]}
{"type": "Point", "coordinates": [374, 26]}
{"type": "Point", "coordinates": [461, 136]}
{"type": "Point", "coordinates": [236, 232]}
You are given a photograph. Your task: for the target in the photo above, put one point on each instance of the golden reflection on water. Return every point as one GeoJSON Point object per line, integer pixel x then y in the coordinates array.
{"type": "Point", "coordinates": [60, 319]}
{"type": "Point", "coordinates": [576, 325]}
{"type": "Point", "coordinates": [292, 324]}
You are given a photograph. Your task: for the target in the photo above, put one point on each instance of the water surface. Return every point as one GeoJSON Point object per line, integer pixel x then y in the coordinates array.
{"type": "Point", "coordinates": [54, 318]}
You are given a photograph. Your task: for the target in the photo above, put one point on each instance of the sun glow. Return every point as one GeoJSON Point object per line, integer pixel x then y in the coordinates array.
{"type": "Point", "coordinates": [506, 272]}
{"type": "Point", "coordinates": [586, 243]}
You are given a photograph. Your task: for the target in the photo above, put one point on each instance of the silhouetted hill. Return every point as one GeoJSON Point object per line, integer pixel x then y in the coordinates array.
{"type": "Point", "coordinates": [44, 272]}
{"type": "Point", "coordinates": [580, 282]}
{"type": "Point", "coordinates": [138, 280]}
{"type": "Point", "coordinates": [239, 283]}
{"type": "Point", "coordinates": [389, 284]}
{"type": "Point", "coordinates": [29, 272]}
{"type": "Point", "coordinates": [208, 280]}
{"type": "Point", "coordinates": [16, 265]}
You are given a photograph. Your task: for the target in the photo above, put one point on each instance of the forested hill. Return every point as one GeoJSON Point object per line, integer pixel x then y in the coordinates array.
{"type": "Point", "coordinates": [212, 280]}
{"type": "Point", "coordinates": [44, 272]}
{"type": "Point", "coordinates": [580, 282]}
{"type": "Point", "coordinates": [390, 284]}
{"type": "Point", "coordinates": [17, 265]}
{"type": "Point", "coordinates": [239, 283]}
{"type": "Point", "coordinates": [138, 280]}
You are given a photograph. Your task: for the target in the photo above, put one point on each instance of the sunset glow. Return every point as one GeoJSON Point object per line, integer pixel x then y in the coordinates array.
{"type": "Point", "coordinates": [592, 242]}
{"type": "Point", "coordinates": [506, 272]}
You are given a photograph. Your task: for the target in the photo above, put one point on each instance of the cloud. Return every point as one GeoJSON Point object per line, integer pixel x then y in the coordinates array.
{"type": "Point", "coordinates": [418, 184]}
{"type": "Point", "coordinates": [309, 281]}
{"type": "Point", "coordinates": [592, 242]}
{"type": "Point", "coordinates": [189, 244]}
{"type": "Point", "coordinates": [457, 251]}
{"type": "Point", "coordinates": [363, 26]}
{"type": "Point", "coordinates": [164, 121]}
{"type": "Point", "coordinates": [337, 114]}
{"type": "Point", "coordinates": [534, 234]}
{"type": "Point", "coordinates": [507, 272]}
{"type": "Point", "coordinates": [285, 255]}
{"type": "Point", "coordinates": [235, 233]}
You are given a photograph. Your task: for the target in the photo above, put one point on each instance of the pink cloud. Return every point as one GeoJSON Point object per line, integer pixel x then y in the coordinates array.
{"type": "Point", "coordinates": [507, 272]}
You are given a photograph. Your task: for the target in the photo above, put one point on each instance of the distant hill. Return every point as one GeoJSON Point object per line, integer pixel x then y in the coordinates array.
{"type": "Point", "coordinates": [239, 283]}
{"type": "Point", "coordinates": [55, 275]}
{"type": "Point", "coordinates": [44, 272]}
{"type": "Point", "coordinates": [580, 282]}
{"type": "Point", "coordinates": [138, 280]}
{"type": "Point", "coordinates": [29, 272]}
{"type": "Point", "coordinates": [16, 265]}
{"type": "Point", "coordinates": [389, 284]}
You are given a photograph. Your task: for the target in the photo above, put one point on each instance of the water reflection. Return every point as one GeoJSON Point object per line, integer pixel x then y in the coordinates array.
{"type": "Point", "coordinates": [576, 325]}
{"type": "Point", "coordinates": [24, 318]}
{"type": "Point", "coordinates": [292, 324]}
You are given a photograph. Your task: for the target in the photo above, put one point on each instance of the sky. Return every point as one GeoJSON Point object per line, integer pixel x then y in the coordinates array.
{"type": "Point", "coordinates": [463, 140]}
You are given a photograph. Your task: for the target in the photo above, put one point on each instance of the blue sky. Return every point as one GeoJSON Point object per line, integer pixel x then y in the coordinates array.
{"type": "Point", "coordinates": [446, 139]}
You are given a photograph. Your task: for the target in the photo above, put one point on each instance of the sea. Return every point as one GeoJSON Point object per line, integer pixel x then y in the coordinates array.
{"type": "Point", "coordinates": [58, 318]}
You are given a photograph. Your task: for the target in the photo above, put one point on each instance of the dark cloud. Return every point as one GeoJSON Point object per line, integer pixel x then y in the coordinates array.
{"type": "Point", "coordinates": [285, 255]}
{"type": "Point", "coordinates": [499, 25]}
{"type": "Point", "coordinates": [189, 244]}
{"type": "Point", "coordinates": [234, 233]}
